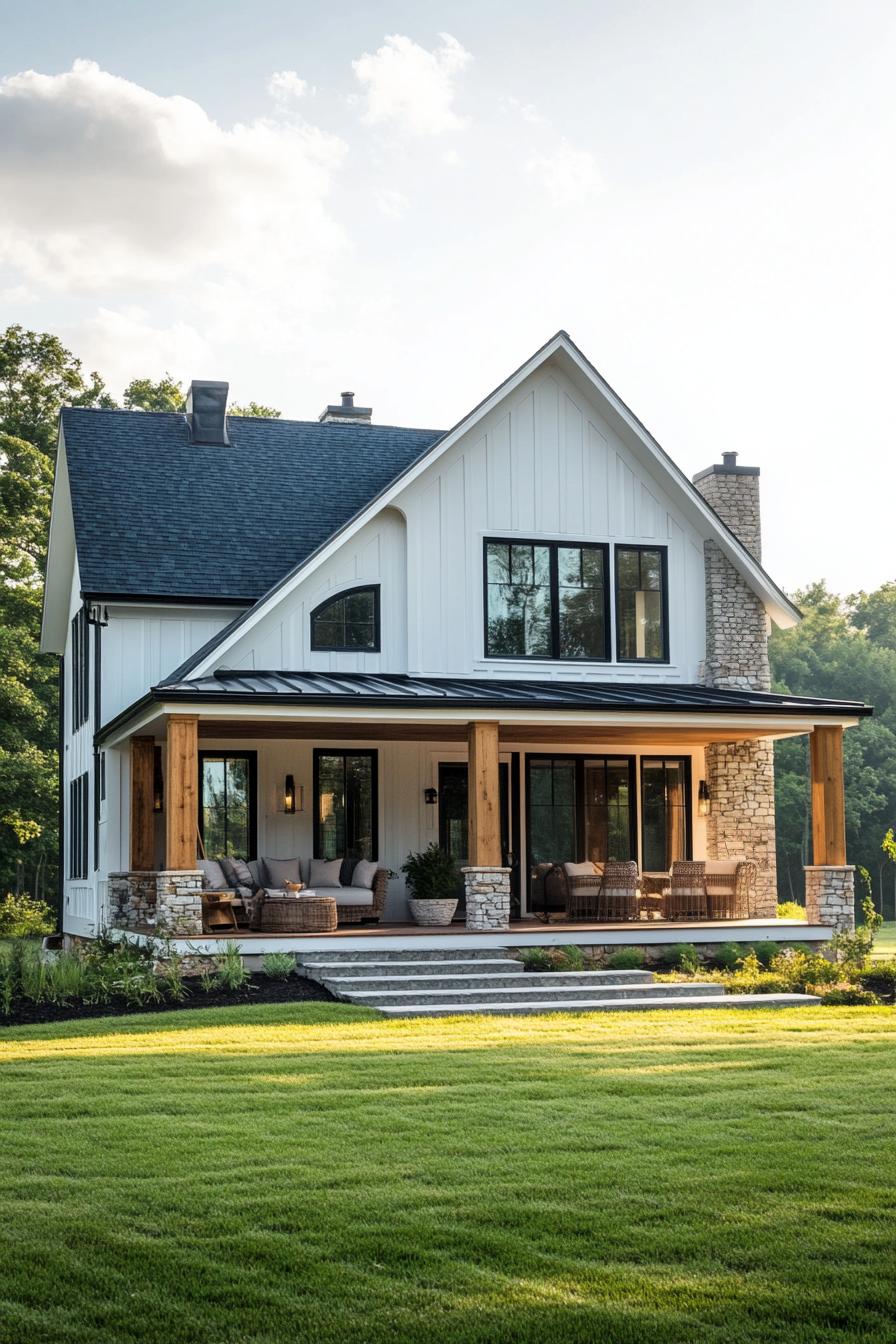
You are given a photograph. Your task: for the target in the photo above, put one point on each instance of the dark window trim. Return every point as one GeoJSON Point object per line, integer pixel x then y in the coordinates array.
{"type": "Point", "coordinates": [252, 758]}
{"type": "Point", "coordinates": [335, 597]}
{"type": "Point", "coordinates": [552, 547]}
{"type": "Point", "coordinates": [373, 753]}
{"type": "Point", "coordinates": [579, 758]}
{"type": "Point", "coordinates": [664, 552]}
{"type": "Point", "coordinates": [687, 762]}
{"type": "Point", "coordinates": [79, 834]}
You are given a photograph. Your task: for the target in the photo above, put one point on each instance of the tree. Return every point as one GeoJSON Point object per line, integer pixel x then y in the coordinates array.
{"type": "Point", "coordinates": [142, 394]}
{"type": "Point", "coordinates": [37, 376]}
{"type": "Point", "coordinates": [28, 680]}
{"type": "Point", "coordinates": [254, 409]}
{"type": "Point", "coordinates": [875, 614]}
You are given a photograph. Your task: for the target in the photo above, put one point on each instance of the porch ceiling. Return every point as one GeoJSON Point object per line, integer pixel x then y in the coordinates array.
{"type": "Point", "coordinates": [533, 734]}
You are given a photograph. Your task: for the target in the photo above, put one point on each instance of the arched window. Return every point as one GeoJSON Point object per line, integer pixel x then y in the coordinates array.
{"type": "Point", "coordinates": [348, 623]}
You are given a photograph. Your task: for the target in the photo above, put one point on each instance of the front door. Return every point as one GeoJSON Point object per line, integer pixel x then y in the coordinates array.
{"type": "Point", "coordinates": [453, 832]}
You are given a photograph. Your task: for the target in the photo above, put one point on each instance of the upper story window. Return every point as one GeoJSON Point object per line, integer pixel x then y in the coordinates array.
{"type": "Point", "coordinates": [546, 600]}
{"type": "Point", "coordinates": [349, 623]}
{"type": "Point", "coordinates": [642, 633]}
{"type": "Point", "coordinates": [80, 659]}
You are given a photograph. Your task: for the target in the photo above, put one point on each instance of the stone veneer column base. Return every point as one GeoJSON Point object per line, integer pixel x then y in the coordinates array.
{"type": "Point", "coordinates": [488, 898]}
{"type": "Point", "coordinates": [741, 824]}
{"type": "Point", "coordinates": [167, 903]}
{"type": "Point", "coordinates": [830, 896]}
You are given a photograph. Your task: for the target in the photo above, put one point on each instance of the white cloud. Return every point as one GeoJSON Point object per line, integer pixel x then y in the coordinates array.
{"type": "Point", "coordinates": [410, 88]}
{"type": "Point", "coordinates": [286, 86]}
{"type": "Point", "coordinates": [125, 344]}
{"type": "Point", "coordinates": [391, 202]}
{"type": "Point", "coordinates": [105, 183]}
{"type": "Point", "coordinates": [451, 158]}
{"type": "Point", "coordinates": [567, 176]}
{"type": "Point", "coordinates": [528, 112]}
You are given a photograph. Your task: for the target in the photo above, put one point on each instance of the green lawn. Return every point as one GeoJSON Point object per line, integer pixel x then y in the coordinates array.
{"type": "Point", "coordinates": [885, 942]}
{"type": "Point", "coordinates": [246, 1176]}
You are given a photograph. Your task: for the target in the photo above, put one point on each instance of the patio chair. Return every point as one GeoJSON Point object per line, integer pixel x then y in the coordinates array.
{"type": "Point", "coordinates": [745, 889]}
{"type": "Point", "coordinates": [583, 884]}
{"type": "Point", "coordinates": [618, 897]}
{"type": "Point", "coordinates": [686, 893]}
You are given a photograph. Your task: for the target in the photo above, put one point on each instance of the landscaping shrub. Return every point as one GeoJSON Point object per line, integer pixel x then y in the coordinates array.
{"type": "Point", "coordinates": [728, 955]}
{"type": "Point", "coordinates": [880, 979]}
{"type": "Point", "coordinates": [230, 972]}
{"type": "Point", "coordinates": [804, 970]}
{"type": "Point", "coordinates": [626, 959]}
{"type": "Point", "coordinates": [766, 952]}
{"type": "Point", "coordinates": [569, 958]}
{"type": "Point", "coordinates": [751, 977]}
{"type": "Point", "coordinates": [535, 959]}
{"type": "Point", "coordinates": [22, 917]}
{"type": "Point", "coordinates": [850, 998]}
{"type": "Point", "coordinates": [278, 965]}
{"type": "Point", "coordinates": [683, 957]}
{"type": "Point", "coordinates": [791, 910]}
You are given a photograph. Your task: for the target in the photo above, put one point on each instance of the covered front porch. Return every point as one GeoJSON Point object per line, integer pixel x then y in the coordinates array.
{"type": "Point", "coordinates": [510, 779]}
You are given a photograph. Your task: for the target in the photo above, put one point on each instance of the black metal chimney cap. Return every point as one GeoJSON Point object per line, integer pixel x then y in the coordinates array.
{"type": "Point", "coordinates": [207, 411]}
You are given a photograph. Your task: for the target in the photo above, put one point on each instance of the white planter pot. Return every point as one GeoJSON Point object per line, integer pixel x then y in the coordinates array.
{"type": "Point", "coordinates": [433, 912]}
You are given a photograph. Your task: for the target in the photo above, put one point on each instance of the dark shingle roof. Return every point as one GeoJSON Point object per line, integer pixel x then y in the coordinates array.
{"type": "Point", "coordinates": [157, 515]}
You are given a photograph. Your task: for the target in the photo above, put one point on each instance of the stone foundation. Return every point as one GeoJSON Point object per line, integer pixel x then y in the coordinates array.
{"type": "Point", "coordinates": [741, 823]}
{"type": "Point", "coordinates": [167, 903]}
{"type": "Point", "coordinates": [488, 898]}
{"type": "Point", "coordinates": [830, 897]}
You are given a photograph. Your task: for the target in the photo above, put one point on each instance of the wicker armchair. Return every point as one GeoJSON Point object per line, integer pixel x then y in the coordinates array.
{"type": "Point", "coordinates": [583, 893]}
{"type": "Point", "coordinates": [354, 914]}
{"type": "Point", "coordinates": [686, 894]}
{"type": "Point", "coordinates": [618, 897]}
{"type": "Point", "coordinates": [729, 888]}
{"type": "Point", "coordinates": [745, 889]}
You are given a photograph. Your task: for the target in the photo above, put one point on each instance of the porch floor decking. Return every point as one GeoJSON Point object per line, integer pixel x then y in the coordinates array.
{"type": "Point", "coordinates": [526, 932]}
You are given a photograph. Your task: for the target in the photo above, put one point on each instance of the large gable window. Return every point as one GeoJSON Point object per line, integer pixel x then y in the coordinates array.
{"type": "Point", "coordinates": [546, 600]}
{"type": "Point", "coordinates": [642, 634]}
{"type": "Point", "coordinates": [349, 623]}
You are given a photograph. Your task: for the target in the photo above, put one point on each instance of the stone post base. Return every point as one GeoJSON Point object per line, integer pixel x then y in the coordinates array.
{"type": "Point", "coordinates": [488, 898]}
{"type": "Point", "coordinates": [166, 903]}
{"type": "Point", "coordinates": [830, 897]}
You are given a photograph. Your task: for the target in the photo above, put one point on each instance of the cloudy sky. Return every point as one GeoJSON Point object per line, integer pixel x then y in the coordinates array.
{"type": "Point", "coordinates": [408, 199]}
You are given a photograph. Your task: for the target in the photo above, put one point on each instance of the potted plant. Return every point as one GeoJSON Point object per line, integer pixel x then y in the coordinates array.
{"type": "Point", "coordinates": [433, 878]}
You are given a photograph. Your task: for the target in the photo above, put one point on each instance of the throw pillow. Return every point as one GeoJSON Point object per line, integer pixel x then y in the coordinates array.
{"type": "Point", "coordinates": [213, 878]}
{"type": "Point", "coordinates": [282, 870]}
{"type": "Point", "coordinates": [345, 872]}
{"type": "Point", "coordinates": [325, 873]}
{"type": "Point", "coordinates": [365, 872]}
{"type": "Point", "coordinates": [579, 869]}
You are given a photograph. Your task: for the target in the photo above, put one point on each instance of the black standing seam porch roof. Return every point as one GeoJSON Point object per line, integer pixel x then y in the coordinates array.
{"type": "Point", "coordinates": [401, 691]}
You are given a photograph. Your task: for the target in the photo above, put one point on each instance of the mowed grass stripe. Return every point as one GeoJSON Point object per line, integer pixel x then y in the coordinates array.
{"type": "Point", "coordinates": [310, 1171]}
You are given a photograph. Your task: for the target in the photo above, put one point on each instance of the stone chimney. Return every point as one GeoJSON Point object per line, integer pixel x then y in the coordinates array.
{"type": "Point", "coordinates": [740, 775]}
{"type": "Point", "coordinates": [347, 413]}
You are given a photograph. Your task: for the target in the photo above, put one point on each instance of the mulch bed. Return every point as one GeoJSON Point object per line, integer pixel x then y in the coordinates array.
{"type": "Point", "coordinates": [259, 989]}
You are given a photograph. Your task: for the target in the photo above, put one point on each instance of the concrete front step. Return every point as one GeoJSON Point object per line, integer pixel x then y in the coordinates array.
{"type": "Point", "coordinates": [449, 977]}
{"type": "Point", "coordinates": [602, 1005]}
{"type": "Point", "coordinates": [319, 970]}
{"type": "Point", "coordinates": [578, 993]}
{"type": "Point", "coordinates": [406, 954]}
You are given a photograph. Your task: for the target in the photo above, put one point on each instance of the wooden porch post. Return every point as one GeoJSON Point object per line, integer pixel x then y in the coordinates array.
{"type": "Point", "coordinates": [483, 794]}
{"type": "Point", "coordinates": [181, 791]}
{"type": "Point", "coordinates": [143, 839]}
{"type": "Point", "coordinates": [828, 807]}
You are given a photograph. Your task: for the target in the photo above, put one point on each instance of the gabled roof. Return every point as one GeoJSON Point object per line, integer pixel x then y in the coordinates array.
{"type": "Point", "coordinates": [563, 348]}
{"type": "Point", "coordinates": [159, 516]}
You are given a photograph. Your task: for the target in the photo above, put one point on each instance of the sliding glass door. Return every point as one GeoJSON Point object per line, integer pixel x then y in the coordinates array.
{"type": "Point", "coordinates": [665, 812]}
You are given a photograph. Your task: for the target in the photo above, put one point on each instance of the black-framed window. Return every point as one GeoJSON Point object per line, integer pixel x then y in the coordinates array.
{"type": "Point", "coordinates": [80, 663]}
{"type": "Point", "coordinates": [345, 804]}
{"type": "Point", "coordinates": [665, 811]}
{"type": "Point", "coordinates": [580, 807]}
{"type": "Point", "coordinates": [642, 605]}
{"type": "Point", "coordinates": [78, 821]}
{"type": "Point", "coordinates": [546, 599]}
{"type": "Point", "coordinates": [227, 803]}
{"type": "Point", "coordinates": [348, 623]}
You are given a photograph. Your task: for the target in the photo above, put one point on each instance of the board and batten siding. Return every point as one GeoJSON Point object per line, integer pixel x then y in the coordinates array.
{"type": "Point", "coordinates": [542, 465]}
{"type": "Point", "coordinates": [375, 555]}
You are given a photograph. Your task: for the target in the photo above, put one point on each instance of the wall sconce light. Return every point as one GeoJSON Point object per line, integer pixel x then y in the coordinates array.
{"type": "Point", "coordinates": [293, 798]}
{"type": "Point", "coordinates": [431, 796]}
{"type": "Point", "coordinates": [704, 799]}
{"type": "Point", "coordinates": [158, 782]}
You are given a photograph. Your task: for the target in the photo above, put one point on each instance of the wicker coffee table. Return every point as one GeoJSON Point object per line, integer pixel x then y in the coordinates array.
{"type": "Point", "coordinates": [308, 913]}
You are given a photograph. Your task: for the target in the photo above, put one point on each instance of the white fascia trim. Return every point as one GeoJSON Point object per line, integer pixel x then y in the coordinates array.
{"type": "Point", "coordinates": [736, 553]}
{"type": "Point", "coordinates": [769, 725]}
{"type": "Point", "coordinates": [61, 554]}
